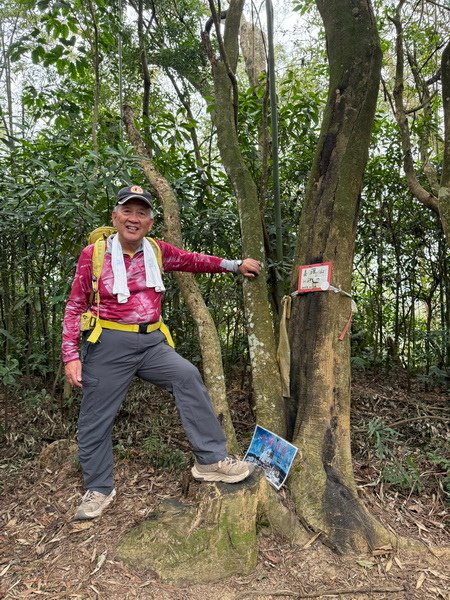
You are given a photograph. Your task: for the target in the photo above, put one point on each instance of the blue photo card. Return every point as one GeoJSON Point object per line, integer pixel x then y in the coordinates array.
{"type": "Point", "coordinates": [272, 453]}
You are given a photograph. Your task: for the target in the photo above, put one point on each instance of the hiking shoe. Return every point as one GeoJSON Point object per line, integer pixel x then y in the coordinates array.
{"type": "Point", "coordinates": [228, 470]}
{"type": "Point", "coordinates": [93, 504]}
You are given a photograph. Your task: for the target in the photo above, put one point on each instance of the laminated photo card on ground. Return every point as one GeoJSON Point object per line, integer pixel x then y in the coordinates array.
{"type": "Point", "coordinates": [272, 453]}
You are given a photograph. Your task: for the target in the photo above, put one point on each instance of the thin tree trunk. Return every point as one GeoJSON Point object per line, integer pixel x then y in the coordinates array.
{"type": "Point", "coordinates": [97, 84]}
{"type": "Point", "coordinates": [265, 374]}
{"type": "Point", "coordinates": [253, 48]}
{"type": "Point", "coordinates": [145, 77]}
{"type": "Point", "coordinates": [444, 190]}
{"type": "Point", "coordinates": [7, 68]}
{"type": "Point", "coordinates": [28, 325]}
{"type": "Point", "coordinates": [209, 340]}
{"type": "Point", "coordinates": [423, 195]}
{"type": "Point", "coordinates": [6, 299]}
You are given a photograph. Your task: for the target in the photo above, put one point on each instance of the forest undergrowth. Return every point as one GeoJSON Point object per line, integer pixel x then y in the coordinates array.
{"type": "Point", "coordinates": [401, 461]}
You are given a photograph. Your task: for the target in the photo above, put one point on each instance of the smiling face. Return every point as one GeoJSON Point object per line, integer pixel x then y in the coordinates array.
{"type": "Point", "coordinates": [133, 220]}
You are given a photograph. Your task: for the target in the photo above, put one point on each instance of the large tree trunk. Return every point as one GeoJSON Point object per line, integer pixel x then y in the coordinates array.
{"type": "Point", "coordinates": [322, 483]}
{"type": "Point", "coordinates": [209, 340]}
{"type": "Point", "coordinates": [265, 373]}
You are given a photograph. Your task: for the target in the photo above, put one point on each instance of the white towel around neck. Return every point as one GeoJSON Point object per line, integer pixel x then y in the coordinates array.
{"type": "Point", "coordinates": [153, 277]}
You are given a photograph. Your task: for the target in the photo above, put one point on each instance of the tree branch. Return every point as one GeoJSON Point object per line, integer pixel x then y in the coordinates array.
{"type": "Point", "coordinates": [224, 57]}
{"type": "Point", "coordinates": [145, 75]}
{"type": "Point", "coordinates": [419, 192]}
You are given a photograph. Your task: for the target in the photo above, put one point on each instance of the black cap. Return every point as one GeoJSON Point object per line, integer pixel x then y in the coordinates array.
{"type": "Point", "coordinates": [134, 191]}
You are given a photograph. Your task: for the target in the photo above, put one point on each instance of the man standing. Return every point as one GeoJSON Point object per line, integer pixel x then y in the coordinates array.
{"type": "Point", "coordinates": [127, 339]}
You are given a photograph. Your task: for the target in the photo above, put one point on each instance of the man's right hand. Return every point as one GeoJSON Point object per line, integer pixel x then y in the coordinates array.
{"type": "Point", "coordinates": [72, 371]}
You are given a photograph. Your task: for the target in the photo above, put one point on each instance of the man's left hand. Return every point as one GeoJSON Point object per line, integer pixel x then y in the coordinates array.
{"type": "Point", "coordinates": [249, 268]}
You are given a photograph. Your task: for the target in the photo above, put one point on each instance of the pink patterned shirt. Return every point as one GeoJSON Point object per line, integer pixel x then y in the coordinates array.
{"type": "Point", "coordinates": [143, 305]}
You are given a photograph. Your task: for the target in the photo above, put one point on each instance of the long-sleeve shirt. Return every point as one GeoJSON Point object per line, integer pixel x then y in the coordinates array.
{"type": "Point", "coordinates": [144, 303]}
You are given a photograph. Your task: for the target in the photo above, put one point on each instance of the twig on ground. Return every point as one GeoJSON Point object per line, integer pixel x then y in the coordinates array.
{"type": "Point", "coordinates": [335, 592]}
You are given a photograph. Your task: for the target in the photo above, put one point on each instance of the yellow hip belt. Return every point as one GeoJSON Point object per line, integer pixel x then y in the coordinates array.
{"type": "Point", "coordinates": [90, 321]}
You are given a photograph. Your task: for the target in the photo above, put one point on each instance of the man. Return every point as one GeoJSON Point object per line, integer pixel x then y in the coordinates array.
{"type": "Point", "coordinates": [130, 292]}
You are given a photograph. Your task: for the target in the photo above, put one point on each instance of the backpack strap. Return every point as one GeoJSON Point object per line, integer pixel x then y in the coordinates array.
{"type": "Point", "coordinates": [157, 249]}
{"type": "Point", "coordinates": [101, 233]}
{"type": "Point", "coordinates": [98, 237]}
{"type": "Point", "coordinates": [98, 257]}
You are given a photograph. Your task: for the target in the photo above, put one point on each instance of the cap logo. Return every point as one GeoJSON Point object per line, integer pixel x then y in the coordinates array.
{"type": "Point", "coordinates": [136, 189]}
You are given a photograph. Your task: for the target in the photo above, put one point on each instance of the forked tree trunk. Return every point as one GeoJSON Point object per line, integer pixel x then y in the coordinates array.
{"type": "Point", "coordinates": [209, 340]}
{"type": "Point", "coordinates": [252, 42]}
{"type": "Point", "coordinates": [216, 537]}
{"type": "Point", "coordinates": [323, 484]}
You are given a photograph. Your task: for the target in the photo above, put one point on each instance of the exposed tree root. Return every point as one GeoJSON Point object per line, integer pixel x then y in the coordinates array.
{"type": "Point", "coordinates": [213, 539]}
{"type": "Point", "coordinates": [217, 536]}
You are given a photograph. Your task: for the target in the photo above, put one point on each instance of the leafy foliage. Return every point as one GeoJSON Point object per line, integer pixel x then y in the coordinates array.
{"type": "Point", "coordinates": [55, 188]}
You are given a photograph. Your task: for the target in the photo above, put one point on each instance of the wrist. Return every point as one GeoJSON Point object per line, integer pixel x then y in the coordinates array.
{"type": "Point", "coordinates": [231, 265]}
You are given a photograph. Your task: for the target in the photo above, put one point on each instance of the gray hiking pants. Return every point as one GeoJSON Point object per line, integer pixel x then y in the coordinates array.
{"type": "Point", "coordinates": [108, 369]}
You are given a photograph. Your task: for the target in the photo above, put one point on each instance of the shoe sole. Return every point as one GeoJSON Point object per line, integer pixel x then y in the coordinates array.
{"type": "Point", "coordinates": [215, 476]}
{"type": "Point", "coordinates": [82, 516]}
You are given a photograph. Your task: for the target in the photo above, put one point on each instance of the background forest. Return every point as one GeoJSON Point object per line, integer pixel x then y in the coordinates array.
{"type": "Point", "coordinates": [67, 69]}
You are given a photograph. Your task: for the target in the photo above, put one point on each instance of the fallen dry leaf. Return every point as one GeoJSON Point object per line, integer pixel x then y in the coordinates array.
{"type": "Point", "coordinates": [420, 580]}
{"type": "Point", "coordinates": [80, 526]}
{"type": "Point", "coordinates": [382, 550]}
{"type": "Point", "coordinates": [100, 560]}
{"type": "Point", "coordinates": [365, 563]}
{"type": "Point", "coordinates": [439, 593]}
{"type": "Point", "coordinates": [437, 574]}
{"type": "Point", "coordinates": [272, 558]}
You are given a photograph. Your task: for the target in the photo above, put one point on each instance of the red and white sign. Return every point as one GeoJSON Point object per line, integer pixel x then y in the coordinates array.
{"type": "Point", "coordinates": [314, 278]}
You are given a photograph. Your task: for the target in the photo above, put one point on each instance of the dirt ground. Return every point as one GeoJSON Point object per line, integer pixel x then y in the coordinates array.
{"type": "Point", "coordinates": [45, 554]}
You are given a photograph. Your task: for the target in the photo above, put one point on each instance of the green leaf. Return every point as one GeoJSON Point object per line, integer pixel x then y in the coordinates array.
{"type": "Point", "coordinates": [37, 54]}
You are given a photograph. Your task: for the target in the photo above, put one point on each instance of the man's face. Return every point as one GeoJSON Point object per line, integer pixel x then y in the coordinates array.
{"type": "Point", "coordinates": [133, 221]}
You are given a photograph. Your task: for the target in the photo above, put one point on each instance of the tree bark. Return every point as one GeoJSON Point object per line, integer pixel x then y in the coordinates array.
{"type": "Point", "coordinates": [145, 76]}
{"type": "Point", "coordinates": [253, 48]}
{"type": "Point", "coordinates": [444, 191]}
{"type": "Point", "coordinates": [252, 44]}
{"type": "Point", "coordinates": [261, 339]}
{"type": "Point", "coordinates": [322, 483]}
{"type": "Point", "coordinates": [209, 340]}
